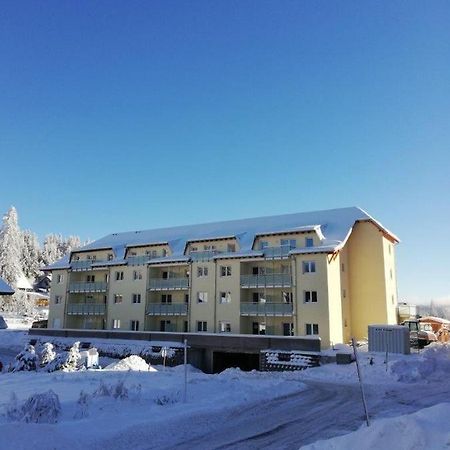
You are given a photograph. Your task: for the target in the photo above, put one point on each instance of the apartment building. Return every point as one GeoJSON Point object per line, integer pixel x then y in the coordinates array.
{"type": "Point", "coordinates": [328, 273]}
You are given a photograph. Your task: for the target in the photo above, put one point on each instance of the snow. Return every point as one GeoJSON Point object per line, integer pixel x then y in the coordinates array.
{"type": "Point", "coordinates": [143, 409]}
{"type": "Point", "coordinates": [425, 429]}
{"type": "Point", "coordinates": [335, 227]}
{"type": "Point", "coordinates": [133, 362]}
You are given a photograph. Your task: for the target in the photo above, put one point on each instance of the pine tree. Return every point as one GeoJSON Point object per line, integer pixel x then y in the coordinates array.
{"type": "Point", "coordinates": [47, 354]}
{"type": "Point", "coordinates": [31, 255]}
{"type": "Point", "coordinates": [25, 360]}
{"type": "Point", "coordinates": [73, 358]}
{"type": "Point", "coordinates": [52, 248]}
{"type": "Point", "coordinates": [10, 247]}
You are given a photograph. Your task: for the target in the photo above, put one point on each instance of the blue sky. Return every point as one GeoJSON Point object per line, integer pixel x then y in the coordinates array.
{"type": "Point", "coordinates": [130, 115]}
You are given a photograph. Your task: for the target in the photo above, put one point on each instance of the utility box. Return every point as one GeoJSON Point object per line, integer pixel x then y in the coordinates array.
{"type": "Point", "coordinates": [89, 358]}
{"type": "Point", "coordinates": [389, 338]}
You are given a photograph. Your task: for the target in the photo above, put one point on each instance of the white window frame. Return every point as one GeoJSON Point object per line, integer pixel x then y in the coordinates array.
{"type": "Point", "coordinates": [118, 298]}
{"type": "Point", "coordinates": [59, 278]}
{"type": "Point", "coordinates": [310, 328]}
{"type": "Point", "coordinates": [119, 275]}
{"type": "Point", "coordinates": [58, 299]}
{"type": "Point", "coordinates": [225, 271]}
{"type": "Point", "coordinates": [225, 297]}
{"type": "Point", "coordinates": [202, 326]}
{"type": "Point", "coordinates": [309, 242]}
{"type": "Point", "coordinates": [202, 297]}
{"type": "Point", "coordinates": [134, 325]}
{"type": "Point", "coordinates": [308, 297]}
{"type": "Point", "coordinates": [137, 275]}
{"type": "Point", "coordinates": [135, 299]}
{"type": "Point", "coordinates": [309, 267]}
{"type": "Point", "coordinates": [116, 324]}
{"type": "Point", "coordinates": [224, 327]}
{"type": "Point", "coordinates": [202, 271]}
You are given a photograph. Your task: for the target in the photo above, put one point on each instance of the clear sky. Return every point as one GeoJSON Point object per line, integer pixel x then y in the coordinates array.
{"type": "Point", "coordinates": [130, 115]}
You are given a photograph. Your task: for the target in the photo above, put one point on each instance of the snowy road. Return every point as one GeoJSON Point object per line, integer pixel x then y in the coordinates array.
{"type": "Point", "coordinates": [322, 411]}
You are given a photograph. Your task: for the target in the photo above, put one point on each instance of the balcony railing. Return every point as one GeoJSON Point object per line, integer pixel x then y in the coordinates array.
{"type": "Point", "coordinates": [86, 309]}
{"type": "Point", "coordinates": [167, 309]}
{"type": "Point", "coordinates": [139, 260]}
{"type": "Point", "coordinates": [84, 265]}
{"type": "Point", "coordinates": [266, 309]}
{"type": "Point", "coordinates": [204, 255]}
{"type": "Point", "coordinates": [277, 252]}
{"type": "Point", "coordinates": [162, 284]}
{"type": "Point", "coordinates": [269, 280]}
{"type": "Point", "coordinates": [88, 287]}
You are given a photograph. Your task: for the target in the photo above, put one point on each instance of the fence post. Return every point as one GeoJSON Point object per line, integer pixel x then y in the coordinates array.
{"type": "Point", "coordinates": [185, 371]}
{"type": "Point", "coordinates": [360, 382]}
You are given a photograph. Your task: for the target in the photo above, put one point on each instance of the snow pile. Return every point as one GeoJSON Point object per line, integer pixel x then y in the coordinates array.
{"type": "Point", "coordinates": [425, 429]}
{"type": "Point", "coordinates": [133, 363]}
{"type": "Point", "coordinates": [432, 365]}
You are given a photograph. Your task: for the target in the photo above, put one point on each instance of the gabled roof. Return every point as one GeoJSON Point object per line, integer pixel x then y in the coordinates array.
{"type": "Point", "coordinates": [5, 288]}
{"type": "Point", "coordinates": [335, 226]}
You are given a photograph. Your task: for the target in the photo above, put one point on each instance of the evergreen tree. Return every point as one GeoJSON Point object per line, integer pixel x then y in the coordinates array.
{"type": "Point", "coordinates": [26, 360]}
{"type": "Point", "coordinates": [10, 248]}
{"type": "Point", "coordinates": [53, 248]}
{"type": "Point", "coordinates": [47, 354]}
{"type": "Point", "coordinates": [73, 358]}
{"type": "Point", "coordinates": [31, 255]}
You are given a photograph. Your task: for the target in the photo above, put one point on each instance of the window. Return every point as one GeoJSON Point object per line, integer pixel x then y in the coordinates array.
{"type": "Point", "coordinates": [118, 298]}
{"type": "Point", "coordinates": [209, 247]}
{"type": "Point", "coordinates": [202, 326]}
{"type": "Point", "coordinates": [225, 327]}
{"type": "Point", "coordinates": [137, 275]}
{"type": "Point", "coordinates": [58, 299]}
{"type": "Point", "coordinates": [259, 328]}
{"type": "Point", "coordinates": [310, 296]}
{"type": "Point", "coordinates": [288, 329]}
{"type": "Point", "coordinates": [59, 279]}
{"type": "Point", "coordinates": [136, 298]}
{"type": "Point", "coordinates": [166, 298]}
{"type": "Point", "coordinates": [186, 326]}
{"type": "Point", "coordinates": [119, 276]}
{"type": "Point", "coordinates": [312, 329]}
{"type": "Point", "coordinates": [110, 256]}
{"type": "Point", "coordinates": [225, 271]}
{"type": "Point", "coordinates": [309, 242]}
{"type": "Point", "coordinates": [194, 249]}
{"type": "Point", "coordinates": [343, 267]}
{"type": "Point", "coordinates": [202, 297]}
{"type": "Point", "coordinates": [186, 298]}
{"type": "Point", "coordinates": [116, 324]}
{"type": "Point", "coordinates": [165, 325]}
{"type": "Point", "coordinates": [291, 243]}
{"type": "Point", "coordinates": [231, 248]}
{"type": "Point", "coordinates": [90, 278]}
{"type": "Point", "coordinates": [164, 252]}
{"type": "Point", "coordinates": [154, 253]}
{"type": "Point", "coordinates": [133, 254]}
{"type": "Point", "coordinates": [263, 244]}
{"type": "Point", "coordinates": [202, 271]}
{"type": "Point", "coordinates": [287, 297]}
{"type": "Point", "coordinates": [134, 325]}
{"type": "Point", "coordinates": [309, 266]}
{"type": "Point", "coordinates": [344, 293]}
{"type": "Point", "coordinates": [225, 297]}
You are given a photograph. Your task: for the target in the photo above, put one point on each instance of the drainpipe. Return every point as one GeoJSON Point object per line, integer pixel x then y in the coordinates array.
{"type": "Point", "coordinates": [295, 299]}
{"type": "Point", "coordinates": [190, 296]}
{"type": "Point", "coordinates": [215, 295]}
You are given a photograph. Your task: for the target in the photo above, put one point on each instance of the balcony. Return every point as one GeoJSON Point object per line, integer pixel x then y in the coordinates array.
{"type": "Point", "coordinates": [139, 260]}
{"type": "Point", "coordinates": [277, 252]}
{"type": "Point", "coordinates": [167, 309]}
{"type": "Point", "coordinates": [271, 280]}
{"type": "Point", "coordinates": [204, 255]}
{"type": "Point", "coordinates": [78, 266]}
{"type": "Point", "coordinates": [86, 309]}
{"type": "Point", "coordinates": [267, 309]}
{"type": "Point", "coordinates": [168, 284]}
{"type": "Point", "coordinates": [88, 287]}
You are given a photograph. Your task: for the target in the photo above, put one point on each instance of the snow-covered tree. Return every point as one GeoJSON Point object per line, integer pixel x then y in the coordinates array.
{"type": "Point", "coordinates": [31, 254]}
{"type": "Point", "coordinates": [26, 360]}
{"type": "Point", "coordinates": [47, 354]}
{"type": "Point", "coordinates": [10, 247]}
{"type": "Point", "coordinates": [73, 358]}
{"type": "Point", "coordinates": [52, 248]}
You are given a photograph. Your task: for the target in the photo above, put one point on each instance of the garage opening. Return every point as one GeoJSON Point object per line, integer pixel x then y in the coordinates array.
{"type": "Point", "coordinates": [225, 360]}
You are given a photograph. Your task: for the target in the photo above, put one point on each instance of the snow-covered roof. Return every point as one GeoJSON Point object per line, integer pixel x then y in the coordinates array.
{"type": "Point", "coordinates": [334, 225]}
{"type": "Point", "coordinates": [5, 288]}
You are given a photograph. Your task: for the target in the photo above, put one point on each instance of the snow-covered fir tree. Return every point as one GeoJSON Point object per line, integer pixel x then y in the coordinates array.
{"type": "Point", "coordinates": [47, 354]}
{"type": "Point", "coordinates": [10, 248]}
{"type": "Point", "coordinates": [31, 255]}
{"type": "Point", "coordinates": [53, 245]}
{"type": "Point", "coordinates": [26, 360]}
{"type": "Point", "coordinates": [73, 358]}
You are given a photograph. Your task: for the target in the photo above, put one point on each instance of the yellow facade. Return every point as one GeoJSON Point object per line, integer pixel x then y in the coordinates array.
{"type": "Point", "coordinates": [289, 284]}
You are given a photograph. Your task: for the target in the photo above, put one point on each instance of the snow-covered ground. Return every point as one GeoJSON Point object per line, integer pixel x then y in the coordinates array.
{"type": "Point", "coordinates": [319, 407]}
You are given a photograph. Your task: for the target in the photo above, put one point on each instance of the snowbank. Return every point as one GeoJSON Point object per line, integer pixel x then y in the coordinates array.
{"type": "Point", "coordinates": [432, 364]}
{"type": "Point", "coordinates": [425, 429]}
{"type": "Point", "coordinates": [133, 362]}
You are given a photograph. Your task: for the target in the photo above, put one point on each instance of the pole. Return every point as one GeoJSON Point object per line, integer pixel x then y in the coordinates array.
{"type": "Point", "coordinates": [360, 382]}
{"type": "Point", "coordinates": [185, 371]}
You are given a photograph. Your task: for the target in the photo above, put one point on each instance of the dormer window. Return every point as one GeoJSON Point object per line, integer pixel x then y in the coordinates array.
{"type": "Point", "coordinates": [290, 243]}
{"type": "Point", "coordinates": [309, 242]}
{"type": "Point", "coordinates": [231, 248]}
{"type": "Point", "coordinates": [263, 244]}
{"type": "Point", "coordinates": [110, 256]}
